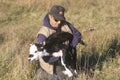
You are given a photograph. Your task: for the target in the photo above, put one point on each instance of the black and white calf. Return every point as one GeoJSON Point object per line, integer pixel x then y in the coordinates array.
{"type": "Point", "coordinates": [56, 45]}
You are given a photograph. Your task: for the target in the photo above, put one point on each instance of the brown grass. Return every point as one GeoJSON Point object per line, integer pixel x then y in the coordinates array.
{"type": "Point", "coordinates": [20, 21]}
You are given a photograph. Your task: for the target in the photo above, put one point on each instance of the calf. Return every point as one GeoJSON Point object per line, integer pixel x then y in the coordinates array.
{"type": "Point", "coordinates": [56, 45]}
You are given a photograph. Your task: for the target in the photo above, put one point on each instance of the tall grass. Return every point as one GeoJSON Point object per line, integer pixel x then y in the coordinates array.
{"type": "Point", "coordinates": [20, 21]}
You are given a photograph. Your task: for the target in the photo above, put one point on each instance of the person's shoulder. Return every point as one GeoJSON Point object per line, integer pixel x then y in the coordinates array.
{"type": "Point", "coordinates": [67, 22]}
{"type": "Point", "coordinates": [43, 29]}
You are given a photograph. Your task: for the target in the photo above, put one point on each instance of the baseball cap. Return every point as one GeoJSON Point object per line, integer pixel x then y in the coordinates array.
{"type": "Point", "coordinates": [57, 12]}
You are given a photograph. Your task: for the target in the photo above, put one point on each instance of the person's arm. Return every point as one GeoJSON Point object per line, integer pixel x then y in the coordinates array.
{"type": "Point", "coordinates": [76, 35]}
{"type": "Point", "coordinates": [41, 38]}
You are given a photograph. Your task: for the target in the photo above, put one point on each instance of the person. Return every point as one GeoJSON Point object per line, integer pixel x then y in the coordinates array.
{"type": "Point", "coordinates": [55, 21]}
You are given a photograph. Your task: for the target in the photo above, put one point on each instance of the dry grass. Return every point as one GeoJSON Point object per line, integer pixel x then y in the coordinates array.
{"type": "Point", "coordinates": [20, 21]}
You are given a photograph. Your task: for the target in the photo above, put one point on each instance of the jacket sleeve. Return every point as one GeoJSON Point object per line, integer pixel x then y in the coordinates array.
{"type": "Point", "coordinates": [76, 35]}
{"type": "Point", "coordinates": [41, 38]}
{"type": "Point", "coordinates": [42, 34]}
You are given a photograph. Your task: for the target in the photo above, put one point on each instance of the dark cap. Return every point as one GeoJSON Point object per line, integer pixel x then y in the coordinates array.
{"type": "Point", "coordinates": [57, 12]}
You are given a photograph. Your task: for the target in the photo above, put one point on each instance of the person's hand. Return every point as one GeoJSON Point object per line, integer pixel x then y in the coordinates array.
{"type": "Point", "coordinates": [82, 42]}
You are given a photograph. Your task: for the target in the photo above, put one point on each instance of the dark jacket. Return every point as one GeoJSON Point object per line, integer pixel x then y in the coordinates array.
{"type": "Point", "coordinates": [76, 34]}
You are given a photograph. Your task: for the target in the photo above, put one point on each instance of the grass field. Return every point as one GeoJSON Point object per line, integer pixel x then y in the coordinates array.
{"type": "Point", "coordinates": [20, 21]}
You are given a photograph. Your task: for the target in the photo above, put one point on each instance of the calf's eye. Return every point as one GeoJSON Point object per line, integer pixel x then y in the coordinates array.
{"type": "Point", "coordinates": [35, 51]}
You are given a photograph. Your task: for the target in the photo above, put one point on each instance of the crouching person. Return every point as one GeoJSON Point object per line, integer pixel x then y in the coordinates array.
{"type": "Point", "coordinates": [54, 21]}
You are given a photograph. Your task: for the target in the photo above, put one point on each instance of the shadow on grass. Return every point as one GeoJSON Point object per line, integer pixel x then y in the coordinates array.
{"type": "Point", "coordinates": [89, 61]}
{"type": "Point", "coordinates": [2, 37]}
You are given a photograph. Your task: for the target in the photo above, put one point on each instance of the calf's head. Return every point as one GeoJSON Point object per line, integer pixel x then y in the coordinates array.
{"type": "Point", "coordinates": [35, 51]}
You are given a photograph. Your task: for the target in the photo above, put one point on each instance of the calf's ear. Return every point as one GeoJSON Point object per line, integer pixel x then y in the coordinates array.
{"type": "Point", "coordinates": [39, 46]}
{"type": "Point", "coordinates": [43, 43]}
{"type": "Point", "coordinates": [31, 44]}
{"type": "Point", "coordinates": [36, 44]}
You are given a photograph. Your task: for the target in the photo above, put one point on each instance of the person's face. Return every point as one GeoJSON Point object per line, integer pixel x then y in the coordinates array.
{"type": "Point", "coordinates": [53, 22]}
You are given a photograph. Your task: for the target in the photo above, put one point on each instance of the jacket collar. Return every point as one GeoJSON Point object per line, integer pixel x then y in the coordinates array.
{"type": "Point", "coordinates": [46, 22]}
